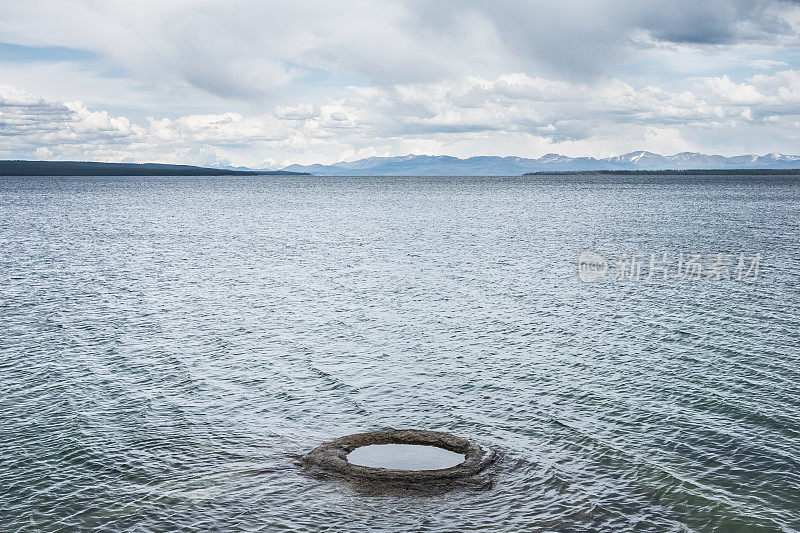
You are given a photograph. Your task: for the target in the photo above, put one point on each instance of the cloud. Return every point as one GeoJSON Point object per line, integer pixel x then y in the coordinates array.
{"type": "Point", "coordinates": [733, 93]}
{"type": "Point", "coordinates": [26, 116]}
{"type": "Point", "coordinates": [512, 114]}
{"type": "Point", "coordinates": [766, 64]}
{"type": "Point", "coordinates": [255, 50]}
{"type": "Point", "coordinates": [28, 122]}
{"type": "Point", "coordinates": [719, 22]}
{"type": "Point", "coordinates": [266, 83]}
{"type": "Point", "coordinates": [11, 96]}
{"type": "Point", "coordinates": [297, 112]}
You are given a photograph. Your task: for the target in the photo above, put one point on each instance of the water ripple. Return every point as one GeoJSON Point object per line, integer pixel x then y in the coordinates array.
{"type": "Point", "coordinates": [172, 346]}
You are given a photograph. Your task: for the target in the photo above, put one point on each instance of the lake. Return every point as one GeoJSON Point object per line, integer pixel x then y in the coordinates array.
{"type": "Point", "coordinates": [171, 347]}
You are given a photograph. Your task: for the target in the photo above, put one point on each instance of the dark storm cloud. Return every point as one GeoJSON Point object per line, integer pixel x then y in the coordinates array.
{"type": "Point", "coordinates": [579, 37]}
{"type": "Point", "coordinates": [718, 22]}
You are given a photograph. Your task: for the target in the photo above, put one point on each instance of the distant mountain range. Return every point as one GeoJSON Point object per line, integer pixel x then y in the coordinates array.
{"type": "Point", "coordinates": [427, 165]}
{"type": "Point", "coordinates": [424, 165]}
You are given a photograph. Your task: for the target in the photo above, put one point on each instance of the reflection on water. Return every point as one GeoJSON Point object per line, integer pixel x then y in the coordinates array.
{"type": "Point", "coordinates": [404, 457]}
{"type": "Point", "coordinates": [171, 346]}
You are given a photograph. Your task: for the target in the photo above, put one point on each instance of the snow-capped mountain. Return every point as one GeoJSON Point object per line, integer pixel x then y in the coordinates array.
{"type": "Point", "coordinates": [428, 165]}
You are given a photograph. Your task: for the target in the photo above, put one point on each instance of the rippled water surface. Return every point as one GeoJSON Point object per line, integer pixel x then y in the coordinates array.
{"type": "Point", "coordinates": [170, 347]}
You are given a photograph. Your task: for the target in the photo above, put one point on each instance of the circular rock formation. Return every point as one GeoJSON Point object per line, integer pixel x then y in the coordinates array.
{"type": "Point", "coordinates": [331, 457]}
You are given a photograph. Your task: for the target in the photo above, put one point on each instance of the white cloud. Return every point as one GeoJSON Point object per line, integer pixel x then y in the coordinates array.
{"type": "Point", "coordinates": [766, 64]}
{"type": "Point", "coordinates": [11, 96]}
{"type": "Point", "coordinates": [297, 112]}
{"type": "Point", "coordinates": [731, 92]}
{"type": "Point", "coordinates": [255, 83]}
{"type": "Point", "coordinates": [512, 114]}
{"type": "Point", "coordinates": [783, 87]}
{"type": "Point", "coordinates": [255, 50]}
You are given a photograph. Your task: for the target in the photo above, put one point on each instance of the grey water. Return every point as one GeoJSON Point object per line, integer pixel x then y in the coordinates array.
{"type": "Point", "coordinates": [404, 457]}
{"type": "Point", "coordinates": [170, 347]}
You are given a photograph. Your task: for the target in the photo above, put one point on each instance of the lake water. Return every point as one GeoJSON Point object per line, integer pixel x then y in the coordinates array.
{"type": "Point", "coordinates": [170, 347]}
{"type": "Point", "coordinates": [404, 457]}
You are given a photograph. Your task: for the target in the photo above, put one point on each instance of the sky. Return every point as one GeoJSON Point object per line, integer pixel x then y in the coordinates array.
{"type": "Point", "coordinates": [268, 83]}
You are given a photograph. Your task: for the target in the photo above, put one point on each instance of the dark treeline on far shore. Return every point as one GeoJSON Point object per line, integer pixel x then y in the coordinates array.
{"type": "Point", "coordinates": [686, 172]}
{"type": "Point", "coordinates": [90, 168]}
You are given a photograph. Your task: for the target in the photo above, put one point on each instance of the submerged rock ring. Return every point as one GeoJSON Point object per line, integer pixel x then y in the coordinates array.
{"type": "Point", "coordinates": [331, 456]}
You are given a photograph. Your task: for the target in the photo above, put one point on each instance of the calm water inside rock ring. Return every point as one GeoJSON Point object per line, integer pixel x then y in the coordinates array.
{"type": "Point", "coordinates": [404, 457]}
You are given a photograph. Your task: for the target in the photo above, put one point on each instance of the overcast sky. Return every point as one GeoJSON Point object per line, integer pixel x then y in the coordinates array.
{"type": "Point", "coordinates": [269, 83]}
